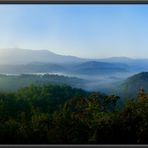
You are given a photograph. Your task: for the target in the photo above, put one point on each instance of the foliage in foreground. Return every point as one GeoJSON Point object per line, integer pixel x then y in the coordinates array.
{"type": "Point", "coordinates": [63, 115]}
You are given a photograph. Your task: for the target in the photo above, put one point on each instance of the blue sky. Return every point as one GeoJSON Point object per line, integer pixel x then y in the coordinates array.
{"type": "Point", "coordinates": [92, 31]}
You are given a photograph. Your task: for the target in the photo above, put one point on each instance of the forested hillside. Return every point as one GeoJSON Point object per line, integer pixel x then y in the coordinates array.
{"type": "Point", "coordinates": [53, 114]}
{"type": "Point", "coordinates": [10, 83]}
{"type": "Point", "coordinates": [133, 84]}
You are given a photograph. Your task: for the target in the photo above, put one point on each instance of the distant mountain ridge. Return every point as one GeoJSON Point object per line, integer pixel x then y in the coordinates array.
{"type": "Point", "coordinates": [30, 61]}
{"type": "Point", "coordinates": [13, 56]}
{"type": "Point", "coordinates": [96, 67]}
{"type": "Point", "coordinates": [27, 60]}
{"type": "Point", "coordinates": [25, 56]}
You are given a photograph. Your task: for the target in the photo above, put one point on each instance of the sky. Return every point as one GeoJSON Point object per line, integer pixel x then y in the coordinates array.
{"type": "Point", "coordinates": [88, 31]}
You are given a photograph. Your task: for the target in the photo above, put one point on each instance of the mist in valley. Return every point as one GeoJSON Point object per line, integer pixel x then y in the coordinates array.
{"type": "Point", "coordinates": [41, 67]}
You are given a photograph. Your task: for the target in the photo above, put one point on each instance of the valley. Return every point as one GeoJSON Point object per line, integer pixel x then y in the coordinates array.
{"type": "Point", "coordinates": [43, 95]}
{"type": "Point", "coordinates": [109, 76]}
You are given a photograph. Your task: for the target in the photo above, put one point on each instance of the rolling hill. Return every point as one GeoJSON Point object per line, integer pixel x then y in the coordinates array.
{"type": "Point", "coordinates": [96, 68]}
{"type": "Point", "coordinates": [131, 85]}
{"type": "Point", "coordinates": [14, 82]}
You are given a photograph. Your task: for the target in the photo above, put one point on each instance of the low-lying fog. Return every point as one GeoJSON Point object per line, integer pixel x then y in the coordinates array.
{"type": "Point", "coordinates": [108, 83]}
{"type": "Point", "coordinates": [105, 83]}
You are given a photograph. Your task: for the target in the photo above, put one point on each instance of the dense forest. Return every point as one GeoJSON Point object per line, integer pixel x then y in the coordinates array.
{"type": "Point", "coordinates": [60, 114]}
{"type": "Point", "coordinates": [12, 82]}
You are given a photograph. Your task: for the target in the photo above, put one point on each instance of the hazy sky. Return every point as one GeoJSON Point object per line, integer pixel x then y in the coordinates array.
{"type": "Point", "coordinates": [92, 31]}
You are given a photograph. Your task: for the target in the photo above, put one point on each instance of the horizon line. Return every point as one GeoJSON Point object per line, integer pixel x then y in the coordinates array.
{"type": "Point", "coordinates": [87, 58]}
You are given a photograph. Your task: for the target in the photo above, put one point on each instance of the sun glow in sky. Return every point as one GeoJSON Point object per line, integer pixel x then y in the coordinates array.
{"type": "Point", "coordinates": [92, 31]}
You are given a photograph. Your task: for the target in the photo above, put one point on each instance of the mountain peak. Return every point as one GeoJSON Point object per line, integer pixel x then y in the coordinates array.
{"type": "Point", "coordinates": [25, 56]}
